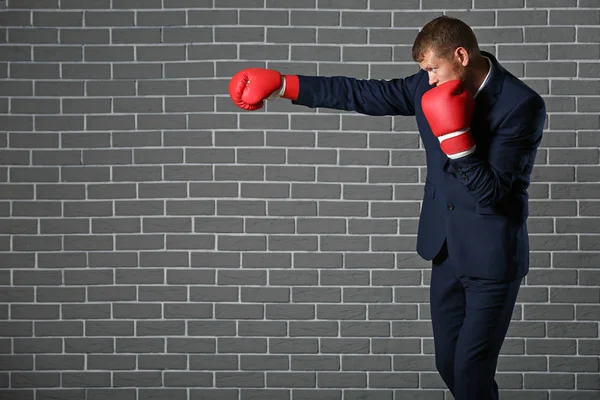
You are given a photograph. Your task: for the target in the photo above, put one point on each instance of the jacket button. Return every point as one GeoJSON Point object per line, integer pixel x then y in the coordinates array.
{"type": "Point", "coordinates": [450, 206]}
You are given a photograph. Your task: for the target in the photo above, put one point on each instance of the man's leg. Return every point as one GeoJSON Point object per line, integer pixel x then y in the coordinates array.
{"type": "Point", "coordinates": [447, 303]}
{"type": "Point", "coordinates": [489, 307]}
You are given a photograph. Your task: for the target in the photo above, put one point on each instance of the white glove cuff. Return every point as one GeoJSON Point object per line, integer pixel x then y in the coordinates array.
{"type": "Point", "coordinates": [278, 93]}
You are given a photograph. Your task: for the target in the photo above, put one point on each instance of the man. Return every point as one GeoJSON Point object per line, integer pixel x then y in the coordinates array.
{"type": "Point", "coordinates": [481, 127]}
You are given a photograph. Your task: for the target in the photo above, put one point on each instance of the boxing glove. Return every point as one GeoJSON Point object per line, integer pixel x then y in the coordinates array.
{"type": "Point", "coordinates": [250, 87]}
{"type": "Point", "coordinates": [448, 109]}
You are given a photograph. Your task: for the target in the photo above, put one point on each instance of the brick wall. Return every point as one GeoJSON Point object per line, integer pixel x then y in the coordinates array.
{"type": "Point", "coordinates": [156, 243]}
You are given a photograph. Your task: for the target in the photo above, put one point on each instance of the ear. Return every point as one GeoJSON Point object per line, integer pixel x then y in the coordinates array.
{"type": "Point", "coordinates": [462, 56]}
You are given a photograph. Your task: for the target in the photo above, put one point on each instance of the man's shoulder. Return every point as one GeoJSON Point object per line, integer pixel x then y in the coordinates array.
{"type": "Point", "coordinates": [518, 90]}
{"type": "Point", "coordinates": [511, 88]}
{"type": "Point", "coordinates": [520, 101]}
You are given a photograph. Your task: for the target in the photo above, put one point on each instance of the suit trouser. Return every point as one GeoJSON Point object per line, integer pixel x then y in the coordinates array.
{"type": "Point", "coordinates": [470, 318]}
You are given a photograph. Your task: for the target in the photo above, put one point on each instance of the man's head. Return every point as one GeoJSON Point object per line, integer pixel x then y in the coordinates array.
{"type": "Point", "coordinates": [447, 49]}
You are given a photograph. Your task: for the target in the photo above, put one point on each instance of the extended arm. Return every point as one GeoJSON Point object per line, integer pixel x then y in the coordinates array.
{"type": "Point", "coordinates": [249, 89]}
{"type": "Point", "coordinates": [366, 96]}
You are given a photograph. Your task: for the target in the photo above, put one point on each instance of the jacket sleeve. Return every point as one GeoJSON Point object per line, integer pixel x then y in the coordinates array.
{"type": "Point", "coordinates": [511, 154]}
{"type": "Point", "coordinates": [364, 96]}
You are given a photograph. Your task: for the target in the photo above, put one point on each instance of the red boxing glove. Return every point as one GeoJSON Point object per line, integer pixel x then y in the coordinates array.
{"type": "Point", "coordinates": [448, 109]}
{"type": "Point", "coordinates": [250, 87]}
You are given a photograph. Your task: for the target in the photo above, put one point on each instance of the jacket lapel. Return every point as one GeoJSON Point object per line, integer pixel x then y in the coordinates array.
{"type": "Point", "coordinates": [489, 93]}
{"type": "Point", "coordinates": [483, 105]}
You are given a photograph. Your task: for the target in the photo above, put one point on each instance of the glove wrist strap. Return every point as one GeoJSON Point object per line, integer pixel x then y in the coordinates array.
{"type": "Point", "coordinates": [290, 87]}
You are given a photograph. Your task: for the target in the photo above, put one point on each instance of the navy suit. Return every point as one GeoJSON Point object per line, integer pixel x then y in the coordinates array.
{"type": "Point", "coordinates": [473, 219]}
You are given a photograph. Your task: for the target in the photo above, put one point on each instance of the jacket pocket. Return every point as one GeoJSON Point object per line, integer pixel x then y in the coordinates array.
{"type": "Point", "coordinates": [487, 210]}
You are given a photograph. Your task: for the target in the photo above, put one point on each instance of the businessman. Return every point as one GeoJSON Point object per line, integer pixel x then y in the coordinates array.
{"type": "Point", "coordinates": [481, 127]}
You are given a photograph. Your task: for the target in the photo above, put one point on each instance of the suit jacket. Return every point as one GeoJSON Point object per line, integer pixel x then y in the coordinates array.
{"type": "Point", "coordinates": [478, 204]}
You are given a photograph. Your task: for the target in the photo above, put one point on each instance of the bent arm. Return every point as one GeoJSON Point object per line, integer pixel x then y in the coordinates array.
{"type": "Point", "coordinates": [511, 155]}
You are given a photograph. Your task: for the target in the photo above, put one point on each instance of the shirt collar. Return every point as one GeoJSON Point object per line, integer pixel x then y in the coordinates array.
{"type": "Point", "coordinates": [487, 77]}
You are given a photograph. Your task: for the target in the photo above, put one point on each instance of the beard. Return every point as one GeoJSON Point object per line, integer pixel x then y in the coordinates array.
{"type": "Point", "coordinates": [466, 76]}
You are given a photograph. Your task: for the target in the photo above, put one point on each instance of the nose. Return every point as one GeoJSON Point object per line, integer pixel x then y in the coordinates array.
{"type": "Point", "coordinates": [432, 79]}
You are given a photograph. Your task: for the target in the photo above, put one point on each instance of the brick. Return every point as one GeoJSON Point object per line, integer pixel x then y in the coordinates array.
{"type": "Point", "coordinates": [335, 4]}
{"type": "Point", "coordinates": [552, 69]}
{"type": "Point", "coordinates": [262, 18]}
{"type": "Point", "coordinates": [523, 52]}
{"type": "Point", "coordinates": [574, 88]}
{"type": "Point", "coordinates": [572, 330]}
{"type": "Point", "coordinates": [267, 260]}
{"type": "Point", "coordinates": [109, 18]}
{"type": "Point", "coordinates": [86, 106]}
{"type": "Point", "coordinates": [361, 19]}
{"type": "Point", "coordinates": [59, 328]}
{"type": "Point", "coordinates": [34, 312]}
{"type": "Point", "coordinates": [135, 35]}
{"type": "Point", "coordinates": [160, 18]}
{"type": "Point", "coordinates": [499, 4]}
{"type": "Point", "coordinates": [35, 106]}
{"type": "Point", "coordinates": [551, 3]}
{"type": "Point", "coordinates": [85, 4]}
{"type": "Point", "coordinates": [17, 394]}
{"type": "Point", "coordinates": [315, 53]}
{"type": "Point", "coordinates": [109, 53]}
{"type": "Point", "coordinates": [587, 382]}
{"type": "Point", "coordinates": [573, 51]}
{"type": "Point", "coordinates": [238, 3]}
{"type": "Point", "coordinates": [62, 260]}
{"type": "Point", "coordinates": [192, 311]}
{"type": "Point", "coordinates": [87, 208]}
{"type": "Point", "coordinates": [347, 312]}
{"type": "Point", "coordinates": [291, 3]}
{"type": "Point", "coordinates": [32, 35]}
{"type": "Point", "coordinates": [40, 4]}
{"type": "Point", "coordinates": [85, 71]}
{"type": "Point", "coordinates": [58, 88]}
{"type": "Point", "coordinates": [137, 379]}
{"type": "Point", "coordinates": [571, 17]}
{"type": "Point", "coordinates": [575, 364]}
{"type": "Point", "coordinates": [315, 18]}
{"type": "Point", "coordinates": [34, 71]}
{"type": "Point", "coordinates": [549, 34]}
{"type": "Point", "coordinates": [541, 277]}
{"type": "Point", "coordinates": [161, 53]}
{"type": "Point", "coordinates": [59, 123]}
{"type": "Point", "coordinates": [588, 105]}
{"type": "Point", "coordinates": [589, 208]}
{"type": "Point", "coordinates": [574, 295]}
{"type": "Point", "coordinates": [84, 36]}
{"type": "Point", "coordinates": [547, 381]}
{"type": "Point", "coordinates": [83, 277]}
{"type": "Point", "coordinates": [15, 18]}
{"type": "Point", "coordinates": [35, 379]}
{"type": "Point", "coordinates": [64, 226]}
{"type": "Point", "coordinates": [587, 34]}
{"type": "Point", "coordinates": [57, 18]}
{"type": "Point", "coordinates": [270, 328]}
{"type": "Point", "coordinates": [391, 5]}
{"type": "Point", "coordinates": [522, 17]}
{"type": "Point", "coordinates": [554, 312]}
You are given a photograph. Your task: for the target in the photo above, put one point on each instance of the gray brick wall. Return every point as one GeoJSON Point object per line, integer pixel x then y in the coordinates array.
{"type": "Point", "coordinates": [157, 243]}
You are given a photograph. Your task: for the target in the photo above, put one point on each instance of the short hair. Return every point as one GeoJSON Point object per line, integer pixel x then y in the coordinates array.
{"type": "Point", "coordinates": [443, 35]}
